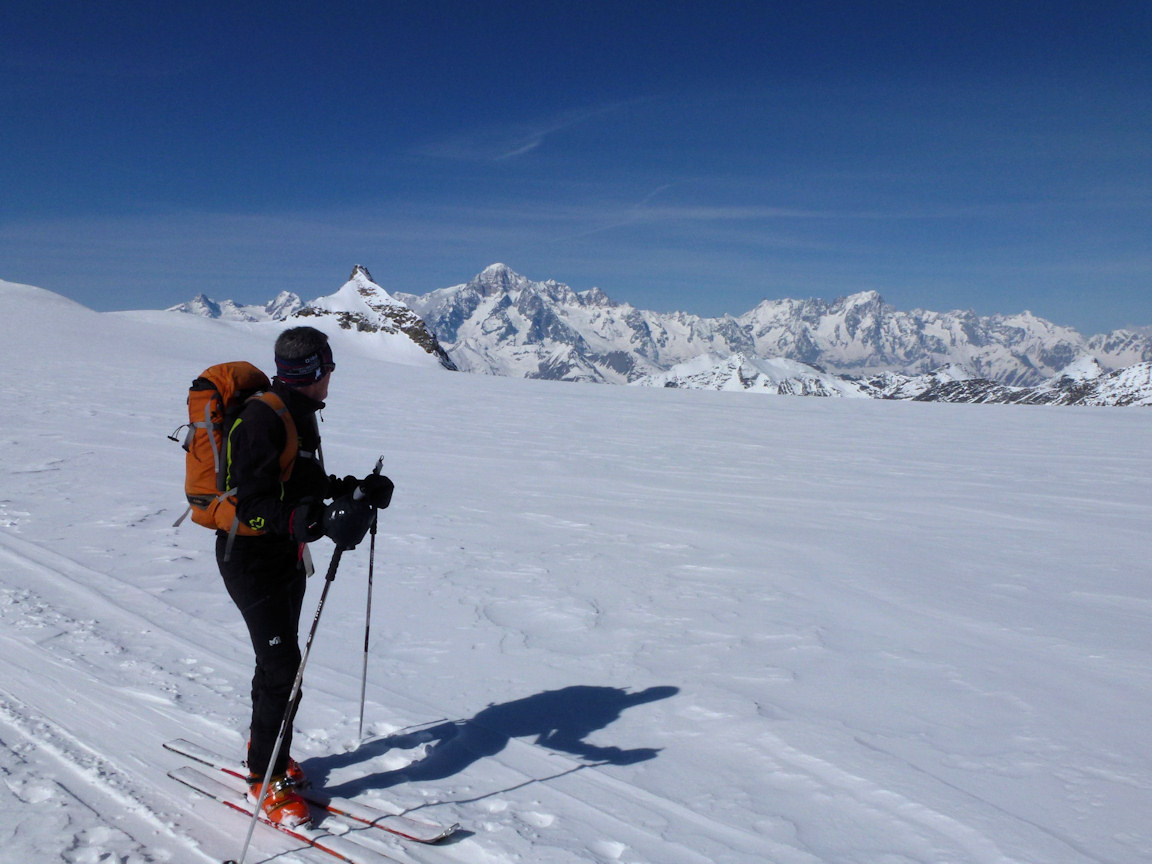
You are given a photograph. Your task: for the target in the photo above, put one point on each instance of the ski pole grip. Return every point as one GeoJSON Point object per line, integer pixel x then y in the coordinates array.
{"type": "Point", "coordinates": [358, 492]}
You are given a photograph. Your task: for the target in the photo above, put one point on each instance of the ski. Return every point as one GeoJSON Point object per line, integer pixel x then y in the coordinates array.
{"type": "Point", "coordinates": [324, 841]}
{"type": "Point", "coordinates": [415, 830]}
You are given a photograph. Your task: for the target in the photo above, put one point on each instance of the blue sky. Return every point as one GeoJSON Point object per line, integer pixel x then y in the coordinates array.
{"type": "Point", "coordinates": [692, 156]}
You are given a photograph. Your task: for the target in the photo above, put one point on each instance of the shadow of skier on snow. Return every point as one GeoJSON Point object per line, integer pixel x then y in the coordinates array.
{"type": "Point", "coordinates": [557, 719]}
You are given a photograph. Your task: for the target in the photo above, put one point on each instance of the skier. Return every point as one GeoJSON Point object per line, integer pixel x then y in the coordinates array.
{"type": "Point", "coordinates": [265, 573]}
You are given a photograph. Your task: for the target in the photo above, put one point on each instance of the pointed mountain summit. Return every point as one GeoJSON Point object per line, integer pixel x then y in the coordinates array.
{"type": "Point", "coordinates": [362, 306]}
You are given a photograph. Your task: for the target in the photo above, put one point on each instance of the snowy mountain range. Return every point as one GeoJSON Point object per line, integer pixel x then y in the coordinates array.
{"type": "Point", "coordinates": [359, 305]}
{"type": "Point", "coordinates": [503, 323]}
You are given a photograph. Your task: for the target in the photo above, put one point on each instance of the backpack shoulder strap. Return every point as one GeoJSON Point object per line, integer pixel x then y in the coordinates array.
{"type": "Point", "coordinates": [292, 442]}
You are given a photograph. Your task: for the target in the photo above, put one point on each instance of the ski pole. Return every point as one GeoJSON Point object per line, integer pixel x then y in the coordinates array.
{"type": "Point", "coordinates": [296, 686]}
{"type": "Point", "coordinates": [368, 613]}
{"type": "Point", "coordinates": [367, 626]}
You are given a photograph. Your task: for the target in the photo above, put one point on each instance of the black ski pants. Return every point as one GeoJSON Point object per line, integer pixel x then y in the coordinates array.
{"type": "Point", "coordinates": [266, 581]}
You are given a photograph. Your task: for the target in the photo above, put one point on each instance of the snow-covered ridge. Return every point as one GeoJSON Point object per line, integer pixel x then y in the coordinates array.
{"type": "Point", "coordinates": [778, 376]}
{"type": "Point", "coordinates": [1085, 382]}
{"type": "Point", "coordinates": [285, 305]}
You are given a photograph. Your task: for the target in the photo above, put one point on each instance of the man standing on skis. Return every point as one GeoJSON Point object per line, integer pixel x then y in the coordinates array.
{"type": "Point", "coordinates": [281, 495]}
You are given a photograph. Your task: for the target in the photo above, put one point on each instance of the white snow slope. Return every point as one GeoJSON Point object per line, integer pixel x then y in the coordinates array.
{"type": "Point", "coordinates": [609, 624]}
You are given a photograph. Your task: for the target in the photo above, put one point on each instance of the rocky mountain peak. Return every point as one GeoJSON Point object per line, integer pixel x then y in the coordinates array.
{"type": "Point", "coordinates": [363, 306]}
{"type": "Point", "coordinates": [499, 278]}
{"type": "Point", "coordinates": [595, 297]}
{"type": "Point", "coordinates": [360, 273]}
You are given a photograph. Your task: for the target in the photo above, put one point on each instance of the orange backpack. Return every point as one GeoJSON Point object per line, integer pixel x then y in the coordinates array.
{"type": "Point", "coordinates": [214, 403]}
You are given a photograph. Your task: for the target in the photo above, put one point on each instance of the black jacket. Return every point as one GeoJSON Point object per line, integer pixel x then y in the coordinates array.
{"type": "Point", "coordinates": [254, 446]}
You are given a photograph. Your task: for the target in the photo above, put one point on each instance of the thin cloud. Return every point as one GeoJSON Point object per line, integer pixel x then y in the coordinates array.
{"type": "Point", "coordinates": [502, 142]}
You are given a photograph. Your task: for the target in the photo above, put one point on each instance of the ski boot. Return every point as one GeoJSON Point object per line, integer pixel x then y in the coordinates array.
{"type": "Point", "coordinates": [282, 805]}
{"type": "Point", "coordinates": [292, 771]}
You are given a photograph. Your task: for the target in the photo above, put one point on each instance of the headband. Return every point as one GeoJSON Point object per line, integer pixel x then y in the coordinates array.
{"type": "Point", "coordinates": [302, 371]}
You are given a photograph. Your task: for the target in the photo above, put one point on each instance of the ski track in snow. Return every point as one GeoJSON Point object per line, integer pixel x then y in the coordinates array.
{"type": "Point", "coordinates": [91, 651]}
{"type": "Point", "coordinates": [94, 674]}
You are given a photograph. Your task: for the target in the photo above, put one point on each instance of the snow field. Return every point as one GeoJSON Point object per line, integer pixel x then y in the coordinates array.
{"type": "Point", "coordinates": [610, 624]}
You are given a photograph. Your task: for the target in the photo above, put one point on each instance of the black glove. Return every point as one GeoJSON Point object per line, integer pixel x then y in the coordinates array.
{"type": "Point", "coordinates": [347, 520]}
{"type": "Point", "coordinates": [338, 488]}
{"type": "Point", "coordinates": [307, 521]}
{"type": "Point", "coordinates": [376, 489]}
